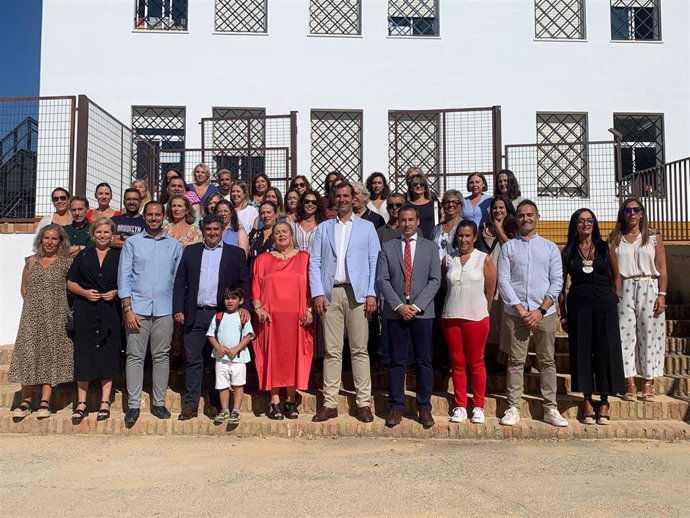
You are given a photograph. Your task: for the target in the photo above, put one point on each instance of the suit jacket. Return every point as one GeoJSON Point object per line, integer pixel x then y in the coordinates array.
{"type": "Point", "coordinates": [233, 272]}
{"type": "Point", "coordinates": [360, 262]}
{"type": "Point", "coordinates": [426, 276]}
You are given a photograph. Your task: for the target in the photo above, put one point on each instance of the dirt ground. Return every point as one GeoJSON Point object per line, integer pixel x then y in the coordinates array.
{"type": "Point", "coordinates": [225, 476]}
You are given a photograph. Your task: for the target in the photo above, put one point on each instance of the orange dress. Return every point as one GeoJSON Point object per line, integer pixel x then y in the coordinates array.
{"type": "Point", "coordinates": [283, 349]}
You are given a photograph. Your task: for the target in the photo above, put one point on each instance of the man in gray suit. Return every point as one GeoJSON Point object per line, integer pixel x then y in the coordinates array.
{"type": "Point", "coordinates": [408, 276]}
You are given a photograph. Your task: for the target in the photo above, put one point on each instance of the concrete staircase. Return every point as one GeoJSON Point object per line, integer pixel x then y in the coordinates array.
{"type": "Point", "coordinates": [665, 418]}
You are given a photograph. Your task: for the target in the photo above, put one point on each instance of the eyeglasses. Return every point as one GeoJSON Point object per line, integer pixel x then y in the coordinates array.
{"type": "Point", "coordinates": [299, 185]}
{"type": "Point", "coordinates": [451, 202]}
{"type": "Point", "coordinates": [310, 202]}
{"type": "Point", "coordinates": [393, 205]}
{"type": "Point", "coordinates": [632, 210]}
{"type": "Point", "coordinates": [585, 221]}
{"type": "Point", "coordinates": [417, 184]}
{"type": "Point", "coordinates": [59, 198]}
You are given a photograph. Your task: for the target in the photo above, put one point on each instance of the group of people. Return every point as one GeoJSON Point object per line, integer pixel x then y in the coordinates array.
{"type": "Point", "coordinates": [220, 276]}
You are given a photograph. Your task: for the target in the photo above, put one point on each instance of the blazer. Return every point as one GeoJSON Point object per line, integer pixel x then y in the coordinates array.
{"type": "Point", "coordinates": [233, 272]}
{"type": "Point", "coordinates": [362, 253]}
{"type": "Point", "coordinates": [426, 277]}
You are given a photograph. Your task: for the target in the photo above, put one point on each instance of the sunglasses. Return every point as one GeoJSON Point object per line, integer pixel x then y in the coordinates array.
{"type": "Point", "coordinates": [59, 198]}
{"type": "Point", "coordinates": [451, 202]}
{"type": "Point", "coordinates": [299, 185]}
{"type": "Point", "coordinates": [310, 202]}
{"type": "Point", "coordinates": [417, 184]}
{"type": "Point", "coordinates": [585, 222]}
{"type": "Point", "coordinates": [632, 210]}
{"type": "Point", "coordinates": [394, 205]}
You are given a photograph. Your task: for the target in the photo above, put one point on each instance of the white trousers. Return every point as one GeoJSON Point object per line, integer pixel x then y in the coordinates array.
{"type": "Point", "coordinates": [643, 336]}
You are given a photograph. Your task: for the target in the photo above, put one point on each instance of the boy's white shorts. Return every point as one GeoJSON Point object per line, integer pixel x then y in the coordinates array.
{"type": "Point", "coordinates": [230, 374]}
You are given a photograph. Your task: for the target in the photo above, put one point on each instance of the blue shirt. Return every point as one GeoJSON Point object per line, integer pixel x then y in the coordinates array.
{"type": "Point", "coordinates": [208, 278]}
{"type": "Point", "coordinates": [147, 273]}
{"type": "Point", "coordinates": [529, 271]}
{"type": "Point", "coordinates": [479, 212]}
{"type": "Point", "coordinates": [231, 237]}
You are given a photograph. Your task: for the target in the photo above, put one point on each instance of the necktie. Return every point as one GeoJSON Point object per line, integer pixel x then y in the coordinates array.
{"type": "Point", "coordinates": [408, 266]}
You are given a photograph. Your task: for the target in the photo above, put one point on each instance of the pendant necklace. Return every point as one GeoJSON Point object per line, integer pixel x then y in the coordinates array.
{"type": "Point", "coordinates": [587, 262]}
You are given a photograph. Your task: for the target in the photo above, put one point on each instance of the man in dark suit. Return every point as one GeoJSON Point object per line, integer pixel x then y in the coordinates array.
{"type": "Point", "coordinates": [408, 277]}
{"type": "Point", "coordinates": [206, 269]}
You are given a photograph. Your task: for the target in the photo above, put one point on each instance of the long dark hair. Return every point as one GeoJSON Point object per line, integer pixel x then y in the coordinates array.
{"type": "Point", "coordinates": [234, 220]}
{"type": "Point", "coordinates": [570, 251]}
{"type": "Point", "coordinates": [510, 225]}
{"type": "Point", "coordinates": [302, 215]}
{"type": "Point", "coordinates": [621, 225]}
{"type": "Point", "coordinates": [513, 186]}
{"type": "Point", "coordinates": [370, 182]}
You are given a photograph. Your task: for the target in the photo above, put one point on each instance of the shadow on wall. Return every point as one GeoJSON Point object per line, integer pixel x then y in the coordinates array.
{"type": "Point", "coordinates": [13, 249]}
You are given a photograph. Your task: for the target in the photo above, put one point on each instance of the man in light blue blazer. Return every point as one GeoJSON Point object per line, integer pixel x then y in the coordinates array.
{"type": "Point", "coordinates": [342, 275]}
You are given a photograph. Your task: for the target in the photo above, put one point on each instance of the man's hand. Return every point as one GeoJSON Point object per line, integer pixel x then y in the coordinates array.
{"type": "Point", "coordinates": [320, 305]}
{"type": "Point", "coordinates": [245, 316]}
{"type": "Point", "coordinates": [532, 318]}
{"type": "Point", "coordinates": [179, 318]}
{"type": "Point", "coordinates": [407, 312]}
{"type": "Point", "coordinates": [132, 321]}
{"type": "Point", "coordinates": [370, 306]}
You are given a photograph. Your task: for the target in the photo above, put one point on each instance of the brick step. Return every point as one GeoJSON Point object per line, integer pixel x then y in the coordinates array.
{"type": "Point", "coordinates": [677, 345]}
{"type": "Point", "coordinates": [677, 364]}
{"type": "Point", "coordinates": [663, 408]}
{"type": "Point", "coordinates": [678, 312]}
{"type": "Point", "coordinates": [345, 426]}
{"type": "Point", "coordinates": [679, 328]}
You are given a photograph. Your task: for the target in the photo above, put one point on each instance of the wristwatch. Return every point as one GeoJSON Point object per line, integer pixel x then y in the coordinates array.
{"type": "Point", "coordinates": [542, 311]}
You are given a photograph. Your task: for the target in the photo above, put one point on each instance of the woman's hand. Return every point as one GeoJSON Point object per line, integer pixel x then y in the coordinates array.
{"type": "Point", "coordinates": [307, 319]}
{"type": "Point", "coordinates": [109, 295]}
{"type": "Point", "coordinates": [263, 315]}
{"type": "Point", "coordinates": [659, 305]}
{"type": "Point", "coordinates": [92, 295]}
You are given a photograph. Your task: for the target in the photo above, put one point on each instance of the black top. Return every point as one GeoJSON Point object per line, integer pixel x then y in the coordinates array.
{"type": "Point", "coordinates": [427, 218]}
{"type": "Point", "coordinates": [593, 284]}
{"type": "Point", "coordinates": [257, 244]}
{"type": "Point", "coordinates": [126, 226]}
{"type": "Point", "coordinates": [375, 218]}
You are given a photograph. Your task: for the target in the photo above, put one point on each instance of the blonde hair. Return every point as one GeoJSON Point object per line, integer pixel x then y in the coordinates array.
{"type": "Point", "coordinates": [63, 249]}
{"type": "Point", "coordinates": [101, 221]}
{"type": "Point", "coordinates": [146, 197]}
{"type": "Point", "coordinates": [621, 228]}
{"type": "Point", "coordinates": [206, 170]}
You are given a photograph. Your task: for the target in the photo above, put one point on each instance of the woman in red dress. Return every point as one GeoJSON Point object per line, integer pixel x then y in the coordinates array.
{"type": "Point", "coordinates": [283, 347]}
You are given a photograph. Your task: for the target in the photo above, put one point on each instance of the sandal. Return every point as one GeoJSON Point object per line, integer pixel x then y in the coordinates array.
{"type": "Point", "coordinates": [23, 410]}
{"type": "Point", "coordinates": [602, 418]}
{"type": "Point", "coordinates": [588, 418]}
{"type": "Point", "coordinates": [275, 413]}
{"type": "Point", "coordinates": [291, 411]}
{"type": "Point", "coordinates": [630, 391]}
{"type": "Point", "coordinates": [43, 409]}
{"type": "Point", "coordinates": [103, 413]}
{"type": "Point", "coordinates": [79, 414]}
{"type": "Point", "coordinates": [648, 391]}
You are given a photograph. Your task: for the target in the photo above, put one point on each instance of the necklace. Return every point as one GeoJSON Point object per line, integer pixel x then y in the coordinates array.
{"type": "Point", "coordinates": [284, 256]}
{"type": "Point", "coordinates": [587, 261]}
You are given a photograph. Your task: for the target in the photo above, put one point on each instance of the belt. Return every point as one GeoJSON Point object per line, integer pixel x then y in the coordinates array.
{"type": "Point", "coordinates": [342, 285]}
{"type": "Point", "coordinates": [206, 308]}
{"type": "Point", "coordinates": [640, 278]}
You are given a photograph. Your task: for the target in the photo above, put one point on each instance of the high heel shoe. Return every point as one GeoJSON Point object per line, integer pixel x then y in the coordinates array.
{"type": "Point", "coordinates": [103, 413]}
{"type": "Point", "coordinates": [648, 391]}
{"type": "Point", "coordinates": [588, 418]}
{"type": "Point", "coordinates": [79, 414]}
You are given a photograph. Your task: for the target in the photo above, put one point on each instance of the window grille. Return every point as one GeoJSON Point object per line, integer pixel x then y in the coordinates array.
{"type": "Point", "coordinates": [559, 19]}
{"type": "Point", "coordinates": [413, 18]}
{"type": "Point", "coordinates": [164, 128]}
{"type": "Point", "coordinates": [161, 15]}
{"type": "Point", "coordinates": [241, 16]}
{"type": "Point", "coordinates": [562, 168]}
{"type": "Point", "coordinates": [340, 17]}
{"type": "Point", "coordinates": [642, 141]}
{"type": "Point", "coordinates": [414, 141]}
{"type": "Point", "coordinates": [336, 144]}
{"type": "Point", "coordinates": [635, 20]}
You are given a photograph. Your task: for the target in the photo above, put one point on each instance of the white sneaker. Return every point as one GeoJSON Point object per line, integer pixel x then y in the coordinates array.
{"type": "Point", "coordinates": [478, 416]}
{"type": "Point", "coordinates": [459, 415]}
{"type": "Point", "coordinates": [554, 418]}
{"type": "Point", "coordinates": [511, 417]}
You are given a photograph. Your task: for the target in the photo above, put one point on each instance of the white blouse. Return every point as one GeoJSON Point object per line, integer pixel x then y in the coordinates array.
{"type": "Point", "coordinates": [465, 296]}
{"type": "Point", "coordinates": [381, 211]}
{"type": "Point", "coordinates": [635, 260]}
{"type": "Point", "coordinates": [247, 216]}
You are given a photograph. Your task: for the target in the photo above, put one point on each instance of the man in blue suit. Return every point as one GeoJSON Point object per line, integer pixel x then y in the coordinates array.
{"type": "Point", "coordinates": [342, 275]}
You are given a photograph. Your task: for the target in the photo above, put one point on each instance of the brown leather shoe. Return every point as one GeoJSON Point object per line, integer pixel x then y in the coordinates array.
{"type": "Point", "coordinates": [324, 414]}
{"type": "Point", "coordinates": [364, 414]}
{"type": "Point", "coordinates": [188, 412]}
{"type": "Point", "coordinates": [426, 419]}
{"type": "Point", "coordinates": [394, 418]}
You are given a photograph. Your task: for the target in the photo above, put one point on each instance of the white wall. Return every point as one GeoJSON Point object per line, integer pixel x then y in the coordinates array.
{"type": "Point", "coordinates": [13, 249]}
{"type": "Point", "coordinates": [486, 55]}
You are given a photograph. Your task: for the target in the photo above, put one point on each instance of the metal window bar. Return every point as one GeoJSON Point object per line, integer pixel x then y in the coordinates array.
{"type": "Point", "coordinates": [241, 16]}
{"type": "Point", "coordinates": [559, 19]}
{"type": "Point", "coordinates": [37, 147]}
{"type": "Point", "coordinates": [635, 20]}
{"type": "Point", "coordinates": [161, 15]}
{"type": "Point", "coordinates": [335, 17]}
{"type": "Point", "coordinates": [643, 140]}
{"type": "Point", "coordinates": [413, 18]}
{"type": "Point", "coordinates": [336, 144]}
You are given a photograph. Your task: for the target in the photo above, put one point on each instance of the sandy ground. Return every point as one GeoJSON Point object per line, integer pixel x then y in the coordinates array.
{"type": "Point", "coordinates": [222, 476]}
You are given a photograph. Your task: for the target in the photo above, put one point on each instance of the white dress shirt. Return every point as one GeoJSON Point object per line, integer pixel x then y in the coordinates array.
{"type": "Point", "coordinates": [342, 233]}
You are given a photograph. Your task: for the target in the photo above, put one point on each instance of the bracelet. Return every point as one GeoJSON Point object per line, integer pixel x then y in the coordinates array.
{"type": "Point", "coordinates": [564, 320]}
{"type": "Point", "coordinates": [127, 308]}
{"type": "Point", "coordinates": [309, 309]}
{"type": "Point", "coordinates": [662, 293]}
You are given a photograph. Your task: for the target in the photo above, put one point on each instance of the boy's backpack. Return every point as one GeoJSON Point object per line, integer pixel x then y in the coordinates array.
{"type": "Point", "coordinates": [219, 317]}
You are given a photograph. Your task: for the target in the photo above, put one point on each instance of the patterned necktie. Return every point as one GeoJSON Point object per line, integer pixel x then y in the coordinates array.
{"type": "Point", "coordinates": [408, 266]}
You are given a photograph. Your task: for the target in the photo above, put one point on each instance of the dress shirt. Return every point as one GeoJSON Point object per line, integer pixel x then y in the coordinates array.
{"type": "Point", "coordinates": [342, 233]}
{"type": "Point", "coordinates": [413, 249]}
{"type": "Point", "coordinates": [208, 278]}
{"type": "Point", "coordinates": [147, 273]}
{"type": "Point", "coordinates": [529, 271]}
{"type": "Point", "coordinates": [477, 212]}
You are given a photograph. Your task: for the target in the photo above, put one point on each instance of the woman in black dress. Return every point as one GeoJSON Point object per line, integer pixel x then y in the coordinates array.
{"type": "Point", "coordinates": [97, 319]}
{"type": "Point", "coordinates": [261, 240]}
{"type": "Point", "coordinates": [424, 199]}
{"type": "Point", "coordinates": [590, 316]}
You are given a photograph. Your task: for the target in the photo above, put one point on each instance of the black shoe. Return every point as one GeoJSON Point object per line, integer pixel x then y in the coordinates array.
{"type": "Point", "coordinates": [160, 412]}
{"type": "Point", "coordinates": [131, 416]}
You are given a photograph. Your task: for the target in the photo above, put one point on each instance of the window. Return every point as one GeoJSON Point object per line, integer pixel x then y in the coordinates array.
{"type": "Point", "coordinates": [637, 20]}
{"type": "Point", "coordinates": [336, 144]}
{"type": "Point", "coordinates": [559, 19]}
{"type": "Point", "coordinates": [413, 18]}
{"type": "Point", "coordinates": [241, 16]}
{"type": "Point", "coordinates": [164, 129]}
{"type": "Point", "coordinates": [239, 141]}
{"type": "Point", "coordinates": [642, 141]}
{"type": "Point", "coordinates": [562, 160]}
{"type": "Point", "coordinates": [338, 17]}
{"type": "Point", "coordinates": [161, 15]}
{"type": "Point", "coordinates": [414, 141]}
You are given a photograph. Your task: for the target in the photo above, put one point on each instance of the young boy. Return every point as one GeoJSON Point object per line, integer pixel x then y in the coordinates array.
{"type": "Point", "coordinates": [230, 339]}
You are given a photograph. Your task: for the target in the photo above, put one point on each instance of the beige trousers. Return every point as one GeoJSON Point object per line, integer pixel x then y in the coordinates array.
{"type": "Point", "coordinates": [345, 312]}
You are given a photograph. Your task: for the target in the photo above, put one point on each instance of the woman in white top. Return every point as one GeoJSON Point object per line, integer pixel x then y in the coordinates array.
{"type": "Point", "coordinates": [641, 287]}
{"type": "Point", "coordinates": [239, 196]}
{"type": "Point", "coordinates": [379, 191]}
{"type": "Point", "coordinates": [442, 234]}
{"type": "Point", "coordinates": [62, 215]}
{"type": "Point", "coordinates": [309, 215]}
{"type": "Point", "coordinates": [470, 278]}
